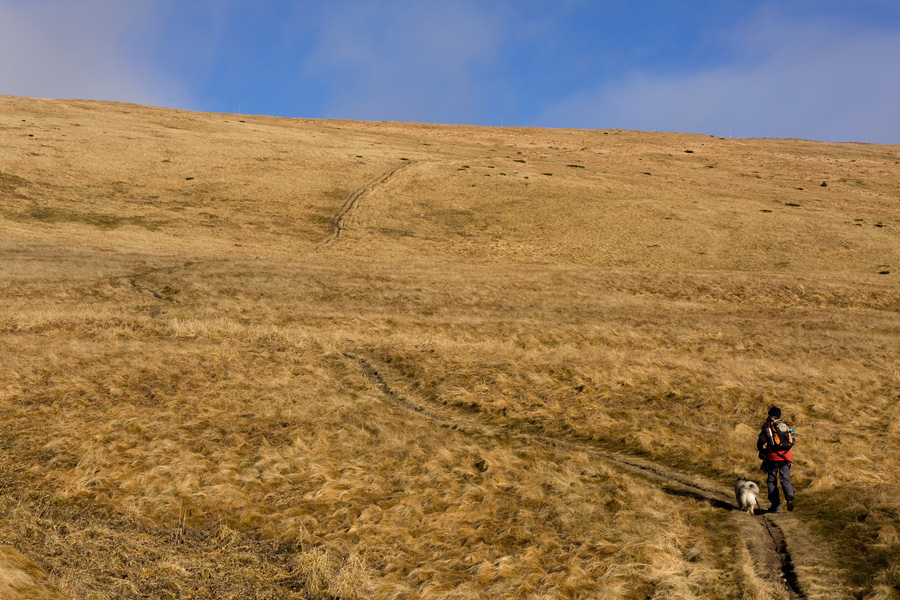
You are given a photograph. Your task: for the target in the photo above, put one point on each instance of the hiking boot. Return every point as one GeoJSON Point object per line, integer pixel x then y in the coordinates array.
{"type": "Point", "coordinates": [790, 504]}
{"type": "Point", "coordinates": [774, 509]}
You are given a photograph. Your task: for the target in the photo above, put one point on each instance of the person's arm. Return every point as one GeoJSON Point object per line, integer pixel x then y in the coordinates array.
{"type": "Point", "coordinates": [761, 442]}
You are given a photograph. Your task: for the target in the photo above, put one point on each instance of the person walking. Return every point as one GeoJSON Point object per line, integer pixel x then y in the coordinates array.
{"type": "Point", "coordinates": [776, 438]}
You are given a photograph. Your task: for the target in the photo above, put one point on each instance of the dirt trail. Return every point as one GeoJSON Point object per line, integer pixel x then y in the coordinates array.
{"type": "Point", "coordinates": [762, 536]}
{"type": "Point", "coordinates": [165, 293]}
{"type": "Point", "coordinates": [338, 221]}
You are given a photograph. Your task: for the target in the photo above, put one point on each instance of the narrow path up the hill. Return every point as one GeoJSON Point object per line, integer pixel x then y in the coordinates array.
{"type": "Point", "coordinates": [762, 536]}
{"type": "Point", "coordinates": [339, 220]}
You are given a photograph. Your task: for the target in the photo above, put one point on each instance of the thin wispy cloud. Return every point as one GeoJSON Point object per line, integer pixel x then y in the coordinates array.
{"type": "Point", "coordinates": [824, 80]}
{"type": "Point", "coordinates": [85, 49]}
{"type": "Point", "coordinates": [392, 61]}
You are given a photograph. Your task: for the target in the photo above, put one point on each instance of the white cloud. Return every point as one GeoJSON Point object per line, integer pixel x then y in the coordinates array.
{"type": "Point", "coordinates": [85, 49]}
{"type": "Point", "coordinates": [823, 80]}
{"type": "Point", "coordinates": [407, 61]}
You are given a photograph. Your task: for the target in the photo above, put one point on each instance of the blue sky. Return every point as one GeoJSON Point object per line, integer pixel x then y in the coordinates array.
{"type": "Point", "coordinates": [814, 69]}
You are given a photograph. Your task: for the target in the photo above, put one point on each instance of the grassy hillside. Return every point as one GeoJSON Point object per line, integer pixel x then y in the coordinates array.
{"type": "Point", "coordinates": [250, 357]}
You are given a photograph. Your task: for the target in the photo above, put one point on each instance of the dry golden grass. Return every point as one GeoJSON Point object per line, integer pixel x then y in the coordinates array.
{"type": "Point", "coordinates": [186, 320]}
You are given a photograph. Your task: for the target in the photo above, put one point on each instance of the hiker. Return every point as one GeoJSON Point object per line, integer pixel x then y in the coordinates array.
{"type": "Point", "coordinates": [774, 445]}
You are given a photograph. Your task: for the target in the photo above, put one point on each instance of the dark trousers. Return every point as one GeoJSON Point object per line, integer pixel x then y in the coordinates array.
{"type": "Point", "coordinates": [778, 470]}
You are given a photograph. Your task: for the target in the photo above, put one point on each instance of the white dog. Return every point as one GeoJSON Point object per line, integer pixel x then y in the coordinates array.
{"type": "Point", "coordinates": [745, 492]}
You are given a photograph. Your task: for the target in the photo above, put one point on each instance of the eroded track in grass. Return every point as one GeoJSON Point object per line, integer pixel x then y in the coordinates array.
{"type": "Point", "coordinates": [773, 555]}
{"type": "Point", "coordinates": [339, 220]}
{"type": "Point", "coordinates": [165, 293]}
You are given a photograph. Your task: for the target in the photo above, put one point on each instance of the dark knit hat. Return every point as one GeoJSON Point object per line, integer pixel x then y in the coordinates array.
{"type": "Point", "coordinates": [775, 412]}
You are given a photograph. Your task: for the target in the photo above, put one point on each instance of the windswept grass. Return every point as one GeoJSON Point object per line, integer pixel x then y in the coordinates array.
{"type": "Point", "coordinates": [182, 415]}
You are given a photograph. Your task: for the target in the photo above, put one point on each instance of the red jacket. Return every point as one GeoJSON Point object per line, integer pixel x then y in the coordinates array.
{"type": "Point", "coordinates": [763, 444]}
